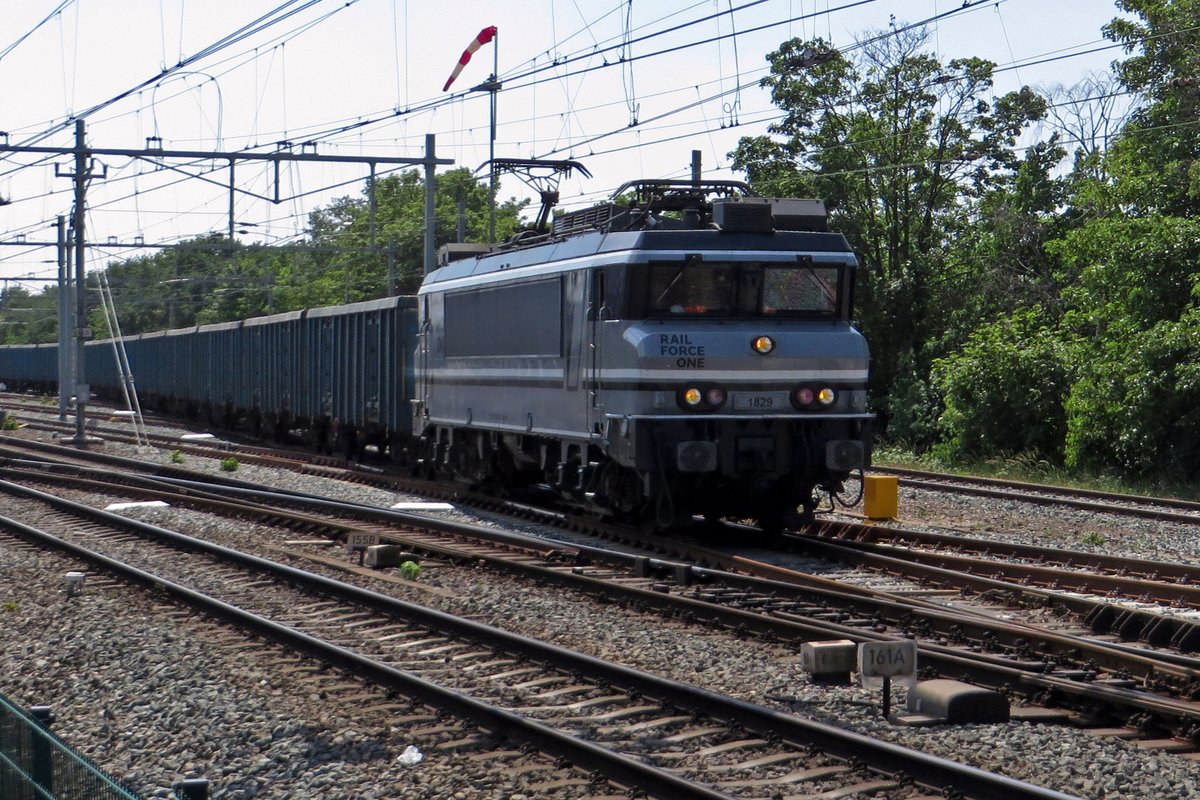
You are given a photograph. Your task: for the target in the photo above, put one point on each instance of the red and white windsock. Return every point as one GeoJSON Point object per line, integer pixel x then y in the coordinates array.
{"type": "Point", "coordinates": [486, 35]}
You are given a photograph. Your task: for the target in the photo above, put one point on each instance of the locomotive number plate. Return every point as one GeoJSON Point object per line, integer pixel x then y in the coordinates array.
{"type": "Point", "coordinates": [760, 401]}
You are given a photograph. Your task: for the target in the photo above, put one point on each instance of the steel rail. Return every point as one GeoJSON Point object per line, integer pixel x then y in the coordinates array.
{"type": "Point", "coordinates": [1103, 502]}
{"type": "Point", "coordinates": [842, 531]}
{"type": "Point", "coordinates": [848, 600]}
{"type": "Point", "coordinates": [925, 768]}
{"type": "Point", "coordinates": [1056, 577]}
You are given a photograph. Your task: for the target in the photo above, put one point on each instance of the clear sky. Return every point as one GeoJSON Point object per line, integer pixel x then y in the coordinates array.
{"type": "Point", "coordinates": [365, 77]}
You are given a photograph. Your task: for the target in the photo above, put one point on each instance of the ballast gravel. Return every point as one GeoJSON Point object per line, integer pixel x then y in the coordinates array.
{"type": "Point", "coordinates": [152, 701]}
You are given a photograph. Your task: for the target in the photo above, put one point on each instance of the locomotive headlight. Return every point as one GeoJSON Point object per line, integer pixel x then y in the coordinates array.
{"type": "Point", "coordinates": [715, 396]}
{"type": "Point", "coordinates": [692, 396]}
{"type": "Point", "coordinates": [763, 345]}
{"type": "Point", "coordinates": [804, 396]}
{"type": "Point", "coordinates": [826, 397]}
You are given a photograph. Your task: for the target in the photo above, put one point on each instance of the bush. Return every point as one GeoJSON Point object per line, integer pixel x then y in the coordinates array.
{"type": "Point", "coordinates": [1004, 391]}
{"type": "Point", "coordinates": [1136, 405]}
{"type": "Point", "coordinates": [911, 409]}
{"type": "Point", "coordinates": [229, 464]}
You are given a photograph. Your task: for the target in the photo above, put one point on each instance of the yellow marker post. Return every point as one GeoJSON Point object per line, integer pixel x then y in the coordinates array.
{"type": "Point", "coordinates": [880, 496]}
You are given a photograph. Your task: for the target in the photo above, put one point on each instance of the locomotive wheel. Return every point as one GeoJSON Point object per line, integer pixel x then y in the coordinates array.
{"type": "Point", "coordinates": [478, 470]}
{"type": "Point", "coordinates": [620, 490]}
{"type": "Point", "coordinates": [507, 476]}
{"type": "Point", "coordinates": [777, 516]}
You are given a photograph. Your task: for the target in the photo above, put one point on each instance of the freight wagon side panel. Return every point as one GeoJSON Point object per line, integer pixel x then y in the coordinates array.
{"type": "Point", "coordinates": [355, 371]}
{"type": "Point", "coordinates": [217, 364]}
{"type": "Point", "coordinates": [33, 366]}
{"type": "Point", "coordinates": [273, 351]}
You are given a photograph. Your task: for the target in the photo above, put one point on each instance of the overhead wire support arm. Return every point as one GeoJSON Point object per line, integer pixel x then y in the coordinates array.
{"type": "Point", "coordinates": [158, 154]}
{"type": "Point", "coordinates": [237, 155]}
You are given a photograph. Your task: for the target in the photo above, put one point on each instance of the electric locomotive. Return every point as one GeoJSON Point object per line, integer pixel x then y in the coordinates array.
{"type": "Point", "coordinates": [687, 351]}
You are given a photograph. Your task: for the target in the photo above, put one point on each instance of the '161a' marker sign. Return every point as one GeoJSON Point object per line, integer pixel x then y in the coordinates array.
{"type": "Point", "coordinates": [887, 660]}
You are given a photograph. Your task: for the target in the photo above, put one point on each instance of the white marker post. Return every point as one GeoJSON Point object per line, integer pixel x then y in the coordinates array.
{"type": "Point", "coordinates": [359, 541]}
{"type": "Point", "coordinates": [887, 660]}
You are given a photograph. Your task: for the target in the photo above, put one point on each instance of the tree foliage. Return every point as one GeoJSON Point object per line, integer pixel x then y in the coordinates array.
{"type": "Point", "coordinates": [1004, 390]}
{"type": "Point", "coordinates": [1153, 161]}
{"type": "Point", "coordinates": [896, 143]}
{"type": "Point", "coordinates": [1134, 304]}
{"type": "Point", "coordinates": [1014, 305]}
{"type": "Point", "coordinates": [28, 317]}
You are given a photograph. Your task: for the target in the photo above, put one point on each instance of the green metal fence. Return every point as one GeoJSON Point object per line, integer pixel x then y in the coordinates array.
{"type": "Point", "coordinates": [37, 765]}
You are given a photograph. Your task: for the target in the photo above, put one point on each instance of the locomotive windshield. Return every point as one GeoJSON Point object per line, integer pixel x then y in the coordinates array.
{"type": "Point", "coordinates": [744, 289]}
{"type": "Point", "coordinates": [698, 289]}
{"type": "Point", "coordinates": [805, 288]}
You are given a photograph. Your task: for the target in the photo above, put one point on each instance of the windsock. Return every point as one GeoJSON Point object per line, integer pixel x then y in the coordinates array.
{"type": "Point", "coordinates": [486, 35]}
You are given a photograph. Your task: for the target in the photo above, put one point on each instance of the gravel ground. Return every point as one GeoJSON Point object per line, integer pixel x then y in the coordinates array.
{"type": "Point", "coordinates": [1028, 523]}
{"type": "Point", "coordinates": [152, 705]}
{"type": "Point", "coordinates": [152, 701]}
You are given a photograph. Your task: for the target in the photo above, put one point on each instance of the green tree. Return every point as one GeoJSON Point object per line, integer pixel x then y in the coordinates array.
{"type": "Point", "coordinates": [1129, 267]}
{"type": "Point", "coordinates": [170, 288]}
{"type": "Point", "coordinates": [1134, 303]}
{"type": "Point", "coordinates": [1153, 161]}
{"type": "Point", "coordinates": [898, 145]}
{"type": "Point", "coordinates": [345, 225]}
{"type": "Point", "coordinates": [26, 317]}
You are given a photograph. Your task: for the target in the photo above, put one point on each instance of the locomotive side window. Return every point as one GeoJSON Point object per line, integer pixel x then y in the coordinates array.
{"type": "Point", "coordinates": [521, 319]}
{"type": "Point", "coordinates": [804, 289]}
{"type": "Point", "coordinates": [692, 289]}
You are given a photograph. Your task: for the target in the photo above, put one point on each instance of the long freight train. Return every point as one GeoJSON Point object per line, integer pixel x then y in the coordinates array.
{"type": "Point", "coordinates": [688, 352]}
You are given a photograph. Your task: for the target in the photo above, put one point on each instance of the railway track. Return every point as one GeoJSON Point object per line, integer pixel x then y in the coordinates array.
{"type": "Point", "coordinates": [1100, 673]}
{"type": "Point", "coordinates": [1163, 509]}
{"type": "Point", "coordinates": [1152, 693]}
{"type": "Point", "coordinates": [1111, 503]}
{"type": "Point", "coordinates": [1173, 586]}
{"type": "Point", "coordinates": [658, 736]}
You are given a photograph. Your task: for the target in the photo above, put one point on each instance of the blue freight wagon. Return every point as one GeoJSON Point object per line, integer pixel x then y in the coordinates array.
{"type": "Point", "coordinates": [343, 374]}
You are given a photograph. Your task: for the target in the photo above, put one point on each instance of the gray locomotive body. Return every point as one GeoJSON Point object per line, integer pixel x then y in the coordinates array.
{"type": "Point", "coordinates": [656, 366]}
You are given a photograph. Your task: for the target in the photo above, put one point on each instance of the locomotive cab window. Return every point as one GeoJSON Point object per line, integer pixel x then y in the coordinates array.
{"type": "Point", "coordinates": [745, 289]}
{"type": "Point", "coordinates": [804, 289]}
{"type": "Point", "coordinates": [695, 289]}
